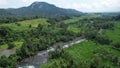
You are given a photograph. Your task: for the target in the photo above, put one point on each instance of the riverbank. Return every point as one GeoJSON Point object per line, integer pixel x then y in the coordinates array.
{"type": "Point", "coordinates": [42, 56]}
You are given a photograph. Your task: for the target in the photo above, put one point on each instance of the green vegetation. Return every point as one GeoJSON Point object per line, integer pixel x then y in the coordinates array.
{"type": "Point", "coordinates": [114, 34]}
{"type": "Point", "coordinates": [83, 54]}
{"type": "Point", "coordinates": [26, 38]}
{"type": "Point", "coordinates": [5, 46]}
{"type": "Point", "coordinates": [42, 35]}
{"type": "Point", "coordinates": [102, 52]}
{"type": "Point", "coordinates": [24, 25]}
{"type": "Point", "coordinates": [11, 45]}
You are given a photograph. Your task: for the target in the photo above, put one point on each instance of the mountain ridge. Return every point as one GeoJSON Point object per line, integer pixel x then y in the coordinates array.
{"type": "Point", "coordinates": [42, 9]}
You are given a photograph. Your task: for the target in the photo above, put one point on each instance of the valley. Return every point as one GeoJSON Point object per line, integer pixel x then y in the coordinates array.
{"type": "Point", "coordinates": [42, 35]}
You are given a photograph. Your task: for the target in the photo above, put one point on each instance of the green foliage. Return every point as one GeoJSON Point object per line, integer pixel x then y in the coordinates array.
{"type": "Point", "coordinates": [24, 25]}
{"type": "Point", "coordinates": [57, 53]}
{"type": "Point", "coordinates": [116, 45]}
{"type": "Point", "coordinates": [11, 45]}
{"type": "Point", "coordinates": [6, 35]}
{"type": "Point", "coordinates": [8, 62]}
{"type": "Point", "coordinates": [117, 17]}
{"type": "Point", "coordinates": [13, 18]}
{"type": "Point", "coordinates": [58, 19]}
{"type": "Point", "coordinates": [30, 26]}
{"type": "Point", "coordinates": [102, 39]}
{"type": "Point", "coordinates": [114, 35]}
{"type": "Point", "coordinates": [37, 35]}
{"type": "Point", "coordinates": [4, 31]}
{"type": "Point", "coordinates": [90, 35]}
{"type": "Point", "coordinates": [86, 55]}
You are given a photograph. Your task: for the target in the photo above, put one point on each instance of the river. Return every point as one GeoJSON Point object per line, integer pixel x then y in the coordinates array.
{"type": "Point", "coordinates": [42, 56]}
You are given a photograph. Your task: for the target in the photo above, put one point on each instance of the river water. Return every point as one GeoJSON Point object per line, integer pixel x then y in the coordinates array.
{"type": "Point", "coordinates": [42, 56]}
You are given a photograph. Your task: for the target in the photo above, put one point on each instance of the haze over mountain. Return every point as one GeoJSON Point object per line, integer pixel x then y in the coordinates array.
{"type": "Point", "coordinates": [41, 9]}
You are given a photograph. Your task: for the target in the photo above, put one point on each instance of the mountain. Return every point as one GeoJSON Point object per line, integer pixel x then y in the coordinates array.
{"type": "Point", "coordinates": [42, 9]}
{"type": "Point", "coordinates": [4, 13]}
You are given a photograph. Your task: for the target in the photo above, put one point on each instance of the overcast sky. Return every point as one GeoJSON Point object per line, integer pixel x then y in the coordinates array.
{"type": "Point", "coordinates": [81, 5]}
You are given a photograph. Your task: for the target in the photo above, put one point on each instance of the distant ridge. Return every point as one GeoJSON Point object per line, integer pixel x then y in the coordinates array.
{"type": "Point", "coordinates": [41, 9]}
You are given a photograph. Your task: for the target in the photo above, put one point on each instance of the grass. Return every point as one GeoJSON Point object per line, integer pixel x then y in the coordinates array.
{"type": "Point", "coordinates": [18, 44]}
{"type": "Point", "coordinates": [24, 25]}
{"type": "Point", "coordinates": [88, 16]}
{"type": "Point", "coordinates": [3, 46]}
{"type": "Point", "coordinates": [73, 29]}
{"type": "Point", "coordinates": [114, 34]}
{"type": "Point", "coordinates": [84, 51]}
{"type": "Point", "coordinates": [73, 19]}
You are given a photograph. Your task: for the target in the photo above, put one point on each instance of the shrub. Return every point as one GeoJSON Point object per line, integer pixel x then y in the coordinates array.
{"type": "Point", "coordinates": [10, 45]}
{"type": "Point", "coordinates": [116, 45]}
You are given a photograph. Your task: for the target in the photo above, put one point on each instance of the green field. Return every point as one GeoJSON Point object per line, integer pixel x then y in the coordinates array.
{"type": "Point", "coordinates": [114, 35]}
{"type": "Point", "coordinates": [73, 29]}
{"type": "Point", "coordinates": [84, 52]}
{"type": "Point", "coordinates": [79, 52]}
{"type": "Point", "coordinates": [87, 16]}
{"type": "Point", "coordinates": [73, 19]}
{"type": "Point", "coordinates": [21, 26]}
{"type": "Point", "coordinates": [24, 25]}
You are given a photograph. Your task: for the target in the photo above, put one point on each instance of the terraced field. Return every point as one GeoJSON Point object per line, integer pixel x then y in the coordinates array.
{"type": "Point", "coordinates": [25, 25]}
{"type": "Point", "coordinates": [114, 35]}
{"type": "Point", "coordinates": [84, 52]}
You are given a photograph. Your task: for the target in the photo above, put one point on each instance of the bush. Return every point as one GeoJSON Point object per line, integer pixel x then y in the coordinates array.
{"type": "Point", "coordinates": [57, 53]}
{"type": "Point", "coordinates": [102, 39]}
{"type": "Point", "coordinates": [116, 45]}
{"type": "Point", "coordinates": [10, 45]}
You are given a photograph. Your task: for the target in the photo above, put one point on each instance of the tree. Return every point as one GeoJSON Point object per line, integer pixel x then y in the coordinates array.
{"type": "Point", "coordinates": [4, 31]}
{"type": "Point", "coordinates": [90, 35]}
{"type": "Point", "coordinates": [96, 62]}
{"type": "Point", "coordinates": [40, 27]}
{"type": "Point", "coordinates": [11, 45]}
{"type": "Point", "coordinates": [57, 53]}
{"type": "Point", "coordinates": [1, 41]}
{"type": "Point", "coordinates": [30, 26]}
{"type": "Point", "coordinates": [102, 39]}
{"type": "Point", "coordinates": [4, 62]}
{"type": "Point", "coordinates": [116, 45]}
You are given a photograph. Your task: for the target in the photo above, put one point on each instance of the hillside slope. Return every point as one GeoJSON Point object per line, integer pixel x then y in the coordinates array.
{"type": "Point", "coordinates": [42, 9]}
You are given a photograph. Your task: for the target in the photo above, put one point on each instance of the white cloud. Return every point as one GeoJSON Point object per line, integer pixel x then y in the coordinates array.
{"type": "Point", "coordinates": [28, 1]}
{"type": "Point", "coordinates": [81, 5]}
{"type": "Point", "coordinates": [98, 5]}
{"type": "Point", "coordinates": [94, 5]}
{"type": "Point", "coordinates": [3, 3]}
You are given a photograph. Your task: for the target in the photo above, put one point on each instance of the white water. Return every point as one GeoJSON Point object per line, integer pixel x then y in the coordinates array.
{"type": "Point", "coordinates": [64, 46]}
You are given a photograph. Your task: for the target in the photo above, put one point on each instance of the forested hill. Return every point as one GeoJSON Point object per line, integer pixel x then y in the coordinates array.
{"type": "Point", "coordinates": [41, 9]}
{"type": "Point", "coordinates": [4, 13]}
